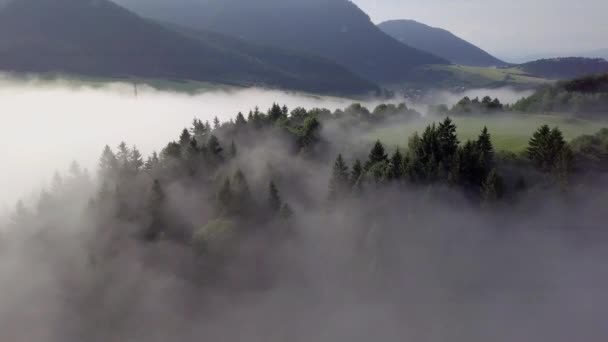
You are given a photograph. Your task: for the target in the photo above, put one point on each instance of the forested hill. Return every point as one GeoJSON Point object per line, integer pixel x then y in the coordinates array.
{"type": "Point", "coordinates": [439, 42]}
{"type": "Point", "coordinates": [100, 38]}
{"type": "Point", "coordinates": [334, 29]}
{"type": "Point", "coordinates": [581, 96]}
{"type": "Point", "coordinates": [565, 68]}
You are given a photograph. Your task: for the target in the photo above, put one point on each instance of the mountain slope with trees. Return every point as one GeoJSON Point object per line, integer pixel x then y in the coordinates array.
{"type": "Point", "coordinates": [439, 42]}
{"type": "Point", "coordinates": [565, 68]}
{"type": "Point", "coordinates": [98, 37]}
{"type": "Point", "coordinates": [334, 29]}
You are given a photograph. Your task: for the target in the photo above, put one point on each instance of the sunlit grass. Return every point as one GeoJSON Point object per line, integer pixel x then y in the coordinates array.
{"type": "Point", "coordinates": [509, 132]}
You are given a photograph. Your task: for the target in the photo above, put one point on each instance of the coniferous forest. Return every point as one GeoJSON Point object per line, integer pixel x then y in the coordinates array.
{"type": "Point", "coordinates": [274, 218]}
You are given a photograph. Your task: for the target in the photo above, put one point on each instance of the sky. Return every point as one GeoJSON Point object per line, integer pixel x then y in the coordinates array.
{"type": "Point", "coordinates": [508, 29]}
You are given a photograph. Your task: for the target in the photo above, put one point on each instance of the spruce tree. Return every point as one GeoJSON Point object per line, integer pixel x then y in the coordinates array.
{"type": "Point", "coordinates": [486, 150]}
{"type": "Point", "coordinates": [136, 160]}
{"type": "Point", "coordinates": [376, 155]}
{"type": "Point", "coordinates": [274, 199]}
{"type": "Point", "coordinates": [395, 168]}
{"type": "Point", "coordinates": [155, 212]}
{"type": "Point", "coordinates": [108, 164]}
{"type": "Point", "coordinates": [492, 188]}
{"type": "Point", "coordinates": [356, 173]}
{"type": "Point", "coordinates": [240, 120]}
{"type": "Point", "coordinates": [545, 147]}
{"type": "Point", "coordinates": [447, 141]}
{"type": "Point", "coordinates": [216, 123]}
{"type": "Point", "coordinates": [213, 145]}
{"type": "Point", "coordinates": [242, 194]}
{"type": "Point", "coordinates": [339, 182]}
{"type": "Point", "coordinates": [184, 138]}
{"type": "Point", "coordinates": [225, 198]}
{"type": "Point", "coordinates": [233, 150]}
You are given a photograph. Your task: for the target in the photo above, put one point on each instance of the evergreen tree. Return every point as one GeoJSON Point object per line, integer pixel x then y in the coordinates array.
{"type": "Point", "coordinates": [214, 147]}
{"type": "Point", "coordinates": [136, 159]}
{"type": "Point", "coordinates": [184, 138]}
{"type": "Point", "coordinates": [492, 188]}
{"type": "Point", "coordinates": [564, 166]}
{"type": "Point", "coordinates": [242, 195]}
{"type": "Point", "coordinates": [123, 154]}
{"type": "Point", "coordinates": [198, 130]}
{"type": "Point", "coordinates": [395, 168]}
{"type": "Point", "coordinates": [376, 155]}
{"type": "Point", "coordinates": [545, 147]}
{"type": "Point", "coordinates": [152, 162]}
{"type": "Point", "coordinates": [216, 123]}
{"type": "Point", "coordinates": [275, 113]}
{"type": "Point", "coordinates": [274, 199]}
{"type": "Point", "coordinates": [108, 164]}
{"type": "Point", "coordinates": [486, 150]}
{"type": "Point", "coordinates": [225, 198]}
{"type": "Point", "coordinates": [339, 182]}
{"type": "Point", "coordinates": [240, 120]}
{"type": "Point", "coordinates": [233, 150]}
{"type": "Point", "coordinates": [447, 142]}
{"type": "Point", "coordinates": [356, 173]}
{"type": "Point", "coordinates": [155, 212]}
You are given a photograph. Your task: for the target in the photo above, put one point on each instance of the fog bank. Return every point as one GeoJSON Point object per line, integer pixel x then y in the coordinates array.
{"type": "Point", "coordinates": [45, 125]}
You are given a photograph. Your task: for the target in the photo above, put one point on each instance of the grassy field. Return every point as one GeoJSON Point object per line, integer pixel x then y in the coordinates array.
{"type": "Point", "coordinates": [509, 132]}
{"type": "Point", "coordinates": [482, 77]}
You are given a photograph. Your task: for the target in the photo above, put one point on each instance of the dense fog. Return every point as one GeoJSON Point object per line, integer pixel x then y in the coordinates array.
{"type": "Point", "coordinates": [153, 253]}
{"type": "Point", "coordinates": [60, 121]}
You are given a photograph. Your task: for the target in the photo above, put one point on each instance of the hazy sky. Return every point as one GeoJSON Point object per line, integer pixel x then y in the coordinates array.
{"type": "Point", "coordinates": [507, 28]}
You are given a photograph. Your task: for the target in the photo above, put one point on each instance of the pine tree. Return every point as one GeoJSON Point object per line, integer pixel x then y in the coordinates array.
{"type": "Point", "coordinates": [233, 150]}
{"type": "Point", "coordinates": [136, 159]}
{"type": "Point", "coordinates": [275, 113]}
{"type": "Point", "coordinates": [240, 120]}
{"type": "Point", "coordinates": [225, 198]}
{"type": "Point", "coordinates": [152, 162]}
{"type": "Point", "coordinates": [123, 154]}
{"type": "Point", "coordinates": [274, 199]}
{"type": "Point", "coordinates": [486, 150]}
{"type": "Point", "coordinates": [184, 138]}
{"type": "Point", "coordinates": [356, 173]}
{"type": "Point", "coordinates": [213, 145]}
{"type": "Point", "coordinates": [216, 123]}
{"type": "Point", "coordinates": [242, 195]}
{"type": "Point", "coordinates": [377, 155]}
{"type": "Point", "coordinates": [395, 167]}
{"type": "Point", "coordinates": [339, 182]}
{"type": "Point", "coordinates": [492, 188]}
{"type": "Point", "coordinates": [545, 147]}
{"type": "Point", "coordinates": [447, 142]}
{"type": "Point", "coordinates": [155, 212]}
{"type": "Point", "coordinates": [108, 164]}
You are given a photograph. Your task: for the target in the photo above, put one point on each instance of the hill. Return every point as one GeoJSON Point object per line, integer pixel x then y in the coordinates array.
{"type": "Point", "coordinates": [439, 42]}
{"type": "Point", "coordinates": [565, 68]}
{"type": "Point", "coordinates": [335, 29]}
{"type": "Point", "coordinates": [587, 96]}
{"type": "Point", "coordinates": [98, 37]}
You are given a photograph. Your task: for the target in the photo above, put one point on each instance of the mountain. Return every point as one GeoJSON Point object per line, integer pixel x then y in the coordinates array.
{"type": "Point", "coordinates": [439, 42]}
{"type": "Point", "coordinates": [98, 37]}
{"type": "Point", "coordinates": [334, 29]}
{"type": "Point", "coordinates": [565, 68]}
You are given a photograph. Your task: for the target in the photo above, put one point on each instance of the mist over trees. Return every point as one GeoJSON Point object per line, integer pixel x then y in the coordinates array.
{"type": "Point", "coordinates": [278, 225]}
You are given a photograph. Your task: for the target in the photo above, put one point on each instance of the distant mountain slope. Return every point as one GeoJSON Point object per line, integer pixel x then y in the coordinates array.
{"type": "Point", "coordinates": [98, 37]}
{"type": "Point", "coordinates": [439, 42]}
{"type": "Point", "coordinates": [334, 29]}
{"type": "Point", "coordinates": [565, 68]}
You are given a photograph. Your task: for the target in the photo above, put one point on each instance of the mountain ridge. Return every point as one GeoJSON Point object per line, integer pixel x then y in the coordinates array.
{"type": "Point", "coordinates": [99, 37]}
{"type": "Point", "coordinates": [439, 42]}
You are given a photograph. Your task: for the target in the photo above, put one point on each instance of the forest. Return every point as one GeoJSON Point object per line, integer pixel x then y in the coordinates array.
{"type": "Point", "coordinates": [260, 214]}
